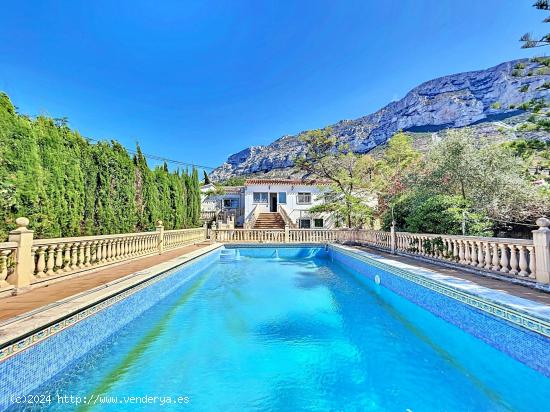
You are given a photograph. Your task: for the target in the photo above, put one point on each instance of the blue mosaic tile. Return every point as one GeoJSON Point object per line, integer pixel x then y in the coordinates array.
{"type": "Point", "coordinates": [27, 370]}
{"type": "Point", "coordinates": [520, 342]}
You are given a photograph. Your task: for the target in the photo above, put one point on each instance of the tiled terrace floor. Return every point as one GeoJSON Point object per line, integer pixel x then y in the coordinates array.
{"type": "Point", "coordinates": [496, 284]}
{"type": "Point", "coordinates": [17, 305]}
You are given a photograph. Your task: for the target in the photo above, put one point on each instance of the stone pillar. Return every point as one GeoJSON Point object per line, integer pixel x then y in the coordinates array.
{"type": "Point", "coordinates": [393, 239]}
{"type": "Point", "coordinates": [541, 242]}
{"type": "Point", "coordinates": [160, 242]}
{"type": "Point", "coordinates": [287, 234]}
{"type": "Point", "coordinates": [24, 263]}
{"type": "Point", "coordinates": [205, 227]}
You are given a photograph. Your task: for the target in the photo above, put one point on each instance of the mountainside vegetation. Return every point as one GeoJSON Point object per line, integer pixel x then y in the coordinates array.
{"type": "Point", "coordinates": [68, 186]}
{"type": "Point", "coordinates": [460, 184]}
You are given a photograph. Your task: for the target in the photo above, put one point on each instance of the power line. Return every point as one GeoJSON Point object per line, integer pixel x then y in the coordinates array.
{"type": "Point", "coordinates": [163, 159]}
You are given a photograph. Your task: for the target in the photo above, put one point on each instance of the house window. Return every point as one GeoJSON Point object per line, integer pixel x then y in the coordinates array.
{"type": "Point", "coordinates": [304, 224]}
{"type": "Point", "coordinates": [304, 198]}
{"type": "Point", "coordinates": [259, 197]}
{"type": "Point", "coordinates": [230, 203]}
{"type": "Point", "coordinates": [318, 223]}
{"type": "Point", "coordinates": [282, 197]}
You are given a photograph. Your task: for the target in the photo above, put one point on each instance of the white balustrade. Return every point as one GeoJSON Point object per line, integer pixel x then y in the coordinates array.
{"type": "Point", "coordinates": [53, 257]}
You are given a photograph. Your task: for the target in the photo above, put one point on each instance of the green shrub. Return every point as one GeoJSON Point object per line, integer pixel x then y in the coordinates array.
{"type": "Point", "coordinates": [495, 105]}
{"type": "Point", "coordinates": [420, 213]}
{"type": "Point", "coordinates": [519, 66]}
{"type": "Point", "coordinates": [524, 88]}
{"type": "Point", "coordinates": [545, 61]}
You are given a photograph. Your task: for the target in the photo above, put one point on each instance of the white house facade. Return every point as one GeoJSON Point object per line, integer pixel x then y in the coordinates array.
{"type": "Point", "coordinates": [266, 203]}
{"type": "Point", "coordinates": [222, 206]}
{"type": "Point", "coordinates": [291, 198]}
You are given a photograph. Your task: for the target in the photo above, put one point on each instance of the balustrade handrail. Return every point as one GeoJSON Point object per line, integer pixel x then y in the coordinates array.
{"type": "Point", "coordinates": [190, 229]}
{"type": "Point", "coordinates": [8, 245]}
{"type": "Point", "coordinates": [49, 241]}
{"type": "Point", "coordinates": [286, 217]}
{"type": "Point", "coordinates": [463, 237]}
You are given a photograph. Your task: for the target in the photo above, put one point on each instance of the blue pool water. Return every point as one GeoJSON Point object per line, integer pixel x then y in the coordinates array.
{"type": "Point", "coordinates": [291, 330]}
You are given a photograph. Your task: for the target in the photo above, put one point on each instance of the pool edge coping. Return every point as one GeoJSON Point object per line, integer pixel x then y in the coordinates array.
{"type": "Point", "coordinates": [525, 313]}
{"type": "Point", "coordinates": [51, 319]}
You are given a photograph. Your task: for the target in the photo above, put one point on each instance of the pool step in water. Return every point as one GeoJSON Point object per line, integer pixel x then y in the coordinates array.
{"type": "Point", "coordinates": [229, 255]}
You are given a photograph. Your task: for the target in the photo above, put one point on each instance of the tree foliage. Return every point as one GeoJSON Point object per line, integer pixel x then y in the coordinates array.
{"type": "Point", "coordinates": [67, 186]}
{"type": "Point", "coordinates": [528, 40]}
{"type": "Point", "coordinates": [324, 157]}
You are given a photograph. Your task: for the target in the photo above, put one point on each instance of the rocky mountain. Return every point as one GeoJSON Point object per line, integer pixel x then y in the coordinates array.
{"type": "Point", "coordinates": [488, 99]}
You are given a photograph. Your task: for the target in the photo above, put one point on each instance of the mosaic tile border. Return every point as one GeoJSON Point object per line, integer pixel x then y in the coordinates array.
{"type": "Point", "coordinates": [12, 349]}
{"type": "Point", "coordinates": [493, 308]}
{"type": "Point", "coordinates": [274, 245]}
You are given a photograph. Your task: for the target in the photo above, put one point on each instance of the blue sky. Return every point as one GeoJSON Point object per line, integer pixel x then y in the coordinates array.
{"type": "Point", "coordinates": [199, 80]}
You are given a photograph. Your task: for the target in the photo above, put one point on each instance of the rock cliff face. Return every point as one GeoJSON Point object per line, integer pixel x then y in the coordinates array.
{"type": "Point", "coordinates": [453, 101]}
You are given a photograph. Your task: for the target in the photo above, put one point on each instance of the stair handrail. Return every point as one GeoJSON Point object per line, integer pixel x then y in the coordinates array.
{"type": "Point", "coordinates": [286, 217]}
{"type": "Point", "coordinates": [251, 219]}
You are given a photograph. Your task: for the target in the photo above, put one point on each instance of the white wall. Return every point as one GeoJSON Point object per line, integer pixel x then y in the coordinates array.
{"type": "Point", "coordinates": [292, 207]}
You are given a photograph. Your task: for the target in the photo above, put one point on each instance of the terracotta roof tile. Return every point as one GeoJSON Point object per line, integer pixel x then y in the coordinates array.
{"type": "Point", "coordinates": [305, 182]}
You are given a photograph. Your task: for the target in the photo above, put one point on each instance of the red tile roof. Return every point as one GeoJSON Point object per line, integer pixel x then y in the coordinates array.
{"type": "Point", "coordinates": [297, 182]}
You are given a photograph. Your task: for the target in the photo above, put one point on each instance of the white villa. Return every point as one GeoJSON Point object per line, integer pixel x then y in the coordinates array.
{"type": "Point", "coordinates": [267, 203]}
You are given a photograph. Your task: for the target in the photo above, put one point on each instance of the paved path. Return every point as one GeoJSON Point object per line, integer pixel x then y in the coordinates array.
{"type": "Point", "coordinates": [502, 285]}
{"type": "Point", "coordinates": [17, 305]}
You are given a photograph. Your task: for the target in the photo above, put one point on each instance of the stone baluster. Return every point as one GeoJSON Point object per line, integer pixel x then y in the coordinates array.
{"type": "Point", "coordinates": [532, 262]}
{"type": "Point", "coordinates": [487, 255]}
{"type": "Point", "coordinates": [67, 257]}
{"type": "Point", "coordinates": [59, 258]}
{"type": "Point", "coordinates": [513, 260]}
{"type": "Point", "coordinates": [99, 252]}
{"type": "Point", "coordinates": [461, 252]}
{"type": "Point", "coordinates": [41, 263]}
{"type": "Point", "coordinates": [34, 256]}
{"type": "Point", "coordinates": [496, 260]}
{"type": "Point", "coordinates": [503, 258]}
{"type": "Point", "coordinates": [74, 256]}
{"type": "Point", "coordinates": [466, 252]}
{"type": "Point", "coordinates": [118, 248]}
{"type": "Point", "coordinates": [50, 264]}
{"type": "Point", "coordinates": [523, 266]}
{"type": "Point", "coordinates": [480, 256]}
{"type": "Point", "coordinates": [87, 254]}
{"type": "Point", "coordinates": [4, 254]}
{"type": "Point", "coordinates": [81, 255]}
{"type": "Point", "coordinates": [455, 254]}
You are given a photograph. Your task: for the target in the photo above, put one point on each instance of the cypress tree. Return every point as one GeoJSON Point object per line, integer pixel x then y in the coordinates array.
{"type": "Point", "coordinates": [67, 186]}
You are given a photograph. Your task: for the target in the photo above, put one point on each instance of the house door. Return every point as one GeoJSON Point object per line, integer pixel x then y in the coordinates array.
{"type": "Point", "coordinates": [273, 202]}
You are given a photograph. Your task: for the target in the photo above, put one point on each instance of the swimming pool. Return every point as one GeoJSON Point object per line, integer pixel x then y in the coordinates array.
{"type": "Point", "coordinates": [290, 329]}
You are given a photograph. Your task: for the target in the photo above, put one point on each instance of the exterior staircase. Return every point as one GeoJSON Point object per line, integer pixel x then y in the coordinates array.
{"type": "Point", "coordinates": [272, 220]}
